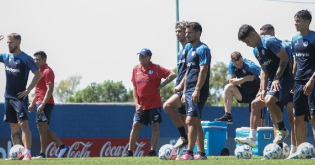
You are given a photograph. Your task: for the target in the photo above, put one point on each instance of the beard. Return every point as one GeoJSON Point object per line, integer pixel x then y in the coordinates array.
{"type": "Point", "coordinates": [13, 49]}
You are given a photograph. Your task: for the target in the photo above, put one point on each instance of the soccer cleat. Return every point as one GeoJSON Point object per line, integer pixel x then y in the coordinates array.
{"type": "Point", "coordinates": [8, 159]}
{"type": "Point", "coordinates": [39, 156]}
{"type": "Point", "coordinates": [281, 135]}
{"type": "Point", "coordinates": [27, 157]}
{"type": "Point", "coordinates": [63, 151]}
{"type": "Point", "coordinates": [293, 156]}
{"type": "Point", "coordinates": [128, 154]}
{"type": "Point", "coordinates": [198, 156]}
{"type": "Point", "coordinates": [186, 156]}
{"type": "Point", "coordinates": [152, 153]}
{"type": "Point", "coordinates": [246, 140]}
{"type": "Point", "coordinates": [181, 142]}
{"type": "Point", "coordinates": [225, 118]}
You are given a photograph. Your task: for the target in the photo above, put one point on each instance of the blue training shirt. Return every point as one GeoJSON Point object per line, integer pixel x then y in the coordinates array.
{"type": "Point", "coordinates": [197, 56]}
{"type": "Point", "coordinates": [181, 63]}
{"type": "Point", "coordinates": [248, 68]}
{"type": "Point", "coordinates": [17, 70]}
{"type": "Point", "coordinates": [303, 49]}
{"type": "Point", "coordinates": [266, 54]}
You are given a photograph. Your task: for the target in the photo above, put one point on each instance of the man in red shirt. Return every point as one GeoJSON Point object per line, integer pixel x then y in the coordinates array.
{"type": "Point", "coordinates": [146, 79]}
{"type": "Point", "coordinates": [44, 105]}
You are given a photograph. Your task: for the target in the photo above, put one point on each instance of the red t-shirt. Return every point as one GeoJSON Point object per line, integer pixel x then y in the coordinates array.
{"type": "Point", "coordinates": [47, 77]}
{"type": "Point", "coordinates": [147, 82]}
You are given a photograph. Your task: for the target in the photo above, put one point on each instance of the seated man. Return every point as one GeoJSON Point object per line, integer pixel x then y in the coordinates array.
{"type": "Point", "coordinates": [243, 84]}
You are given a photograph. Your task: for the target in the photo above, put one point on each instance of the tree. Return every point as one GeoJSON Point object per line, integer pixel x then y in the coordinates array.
{"type": "Point", "coordinates": [66, 88]}
{"type": "Point", "coordinates": [167, 91]}
{"type": "Point", "coordinates": [108, 91]}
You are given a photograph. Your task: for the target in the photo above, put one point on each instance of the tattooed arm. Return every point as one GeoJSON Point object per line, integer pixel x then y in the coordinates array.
{"type": "Point", "coordinates": [282, 65]}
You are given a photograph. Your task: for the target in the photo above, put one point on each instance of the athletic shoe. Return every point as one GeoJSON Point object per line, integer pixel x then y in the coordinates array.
{"type": "Point", "coordinates": [63, 151]}
{"type": "Point", "coordinates": [199, 157]}
{"type": "Point", "coordinates": [293, 156]}
{"type": "Point", "coordinates": [246, 140]}
{"type": "Point", "coordinates": [225, 118]}
{"type": "Point", "coordinates": [281, 135]}
{"type": "Point", "coordinates": [128, 154]}
{"type": "Point", "coordinates": [263, 159]}
{"type": "Point", "coordinates": [152, 153]}
{"type": "Point", "coordinates": [181, 142]}
{"type": "Point", "coordinates": [39, 156]}
{"type": "Point", "coordinates": [27, 157]}
{"type": "Point", "coordinates": [8, 159]}
{"type": "Point", "coordinates": [186, 156]}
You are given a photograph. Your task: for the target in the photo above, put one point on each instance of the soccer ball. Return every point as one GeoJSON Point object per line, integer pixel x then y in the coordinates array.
{"type": "Point", "coordinates": [167, 152]}
{"type": "Point", "coordinates": [305, 150]}
{"type": "Point", "coordinates": [243, 152]}
{"type": "Point", "coordinates": [285, 151]}
{"type": "Point", "coordinates": [16, 152]}
{"type": "Point", "coordinates": [272, 151]}
{"type": "Point", "coordinates": [181, 151]}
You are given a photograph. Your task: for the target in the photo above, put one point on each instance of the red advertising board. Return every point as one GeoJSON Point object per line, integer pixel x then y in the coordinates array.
{"type": "Point", "coordinates": [99, 147]}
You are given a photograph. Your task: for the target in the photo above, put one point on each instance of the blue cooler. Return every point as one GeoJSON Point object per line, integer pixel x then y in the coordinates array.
{"type": "Point", "coordinates": [215, 137]}
{"type": "Point", "coordinates": [264, 136]}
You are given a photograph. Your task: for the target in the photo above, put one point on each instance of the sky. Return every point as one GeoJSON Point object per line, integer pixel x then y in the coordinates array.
{"type": "Point", "coordinates": [99, 39]}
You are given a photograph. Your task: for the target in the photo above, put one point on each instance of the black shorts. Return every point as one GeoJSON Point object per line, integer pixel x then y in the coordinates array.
{"type": "Point", "coordinates": [181, 110]}
{"type": "Point", "coordinates": [303, 105]}
{"type": "Point", "coordinates": [45, 116]}
{"type": "Point", "coordinates": [246, 98]}
{"type": "Point", "coordinates": [149, 116]}
{"type": "Point", "coordinates": [15, 110]}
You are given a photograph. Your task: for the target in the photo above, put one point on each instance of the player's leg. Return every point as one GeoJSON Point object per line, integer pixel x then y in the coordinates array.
{"type": "Point", "coordinates": [291, 122]}
{"type": "Point", "coordinates": [138, 122]}
{"type": "Point", "coordinates": [155, 120]}
{"type": "Point", "coordinates": [229, 92]}
{"type": "Point", "coordinates": [183, 118]}
{"type": "Point", "coordinates": [200, 155]}
{"type": "Point", "coordinates": [256, 106]}
{"type": "Point", "coordinates": [170, 107]}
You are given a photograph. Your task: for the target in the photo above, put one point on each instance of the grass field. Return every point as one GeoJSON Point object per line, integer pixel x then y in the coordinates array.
{"type": "Point", "coordinates": [215, 160]}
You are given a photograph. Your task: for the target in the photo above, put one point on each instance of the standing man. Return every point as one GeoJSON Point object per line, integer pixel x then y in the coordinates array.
{"type": "Point", "coordinates": [276, 80]}
{"type": "Point", "coordinates": [146, 79]}
{"type": "Point", "coordinates": [44, 105]}
{"type": "Point", "coordinates": [17, 66]}
{"type": "Point", "coordinates": [303, 46]}
{"type": "Point", "coordinates": [173, 106]}
{"type": "Point", "coordinates": [243, 84]}
{"type": "Point", "coordinates": [196, 90]}
{"type": "Point", "coordinates": [288, 102]}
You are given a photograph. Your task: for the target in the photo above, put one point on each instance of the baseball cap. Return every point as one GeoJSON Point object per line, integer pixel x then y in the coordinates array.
{"type": "Point", "coordinates": [145, 52]}
{"type": "Point", "coordinates": [235, 56]}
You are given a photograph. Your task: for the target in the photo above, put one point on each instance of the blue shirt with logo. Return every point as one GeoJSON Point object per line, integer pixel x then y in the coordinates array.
{"type": "Point", "coordinates": [266, 54]}
{"type": "Point", "coordinates": [248, 68]}
{"type": "Point", "coordinates": [17, 70]}
{"type": "Point", "coordinates": [181, 63]}
{"type": "Point", "coordinates": [196, 57]}
{"type": "Point", "coordinates": [303, 49]}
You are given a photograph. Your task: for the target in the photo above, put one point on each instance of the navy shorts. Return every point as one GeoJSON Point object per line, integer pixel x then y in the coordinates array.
{"type": "Point", "coordinates": [289, 99]}
{"type": "Point", "coordinates": [181, 110]}
{"type": "Point", "coordinates": [246, 98]}
{"type": "Point", "coordinates": [286, 84]}
{"type": "Point", "coordinates": [303, 105]}
{"type": "Point", "coordinates": [194, 110]}
{"type": "Point", "coordinates": [149, 116]}
{"type": "Point", "coordinates": [15, 110]}
{"type": "Point", "coordinates": [45, 116]}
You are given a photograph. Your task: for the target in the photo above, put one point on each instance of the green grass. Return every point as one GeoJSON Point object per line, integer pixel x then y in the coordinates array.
{"type": "Point", "coordinates": [215, 160]}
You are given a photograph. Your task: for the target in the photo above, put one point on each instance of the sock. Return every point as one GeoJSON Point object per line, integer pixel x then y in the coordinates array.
{"type": "Point", "coordinates": [202, 153]}
{"type": "Point", "coordinates": [252, 133]}
{"type": "Point", "coordinates": [61, 147]}
{"type": "Point", "coordinates": [293, 148]}
{"type": "Point", "coordinates": [281, 125]}
{"type": "Point", "coordinates": [182, 131]}
{"type": "Point", "coordinates": [27, 151]}
{"type": "Point", "coordinates": [227, 114]}
{"type": "Point", "coordinates": [42, 154]}
{"type": "Point", "coordinates": [190, 152]}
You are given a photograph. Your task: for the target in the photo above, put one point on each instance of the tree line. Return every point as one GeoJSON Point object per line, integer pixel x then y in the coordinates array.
{"type": "Point", "coordinates": [66, 91]}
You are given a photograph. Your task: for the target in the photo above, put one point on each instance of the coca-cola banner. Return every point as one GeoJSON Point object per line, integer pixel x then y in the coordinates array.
{"type": "Point", "coordinates": [99, 147]}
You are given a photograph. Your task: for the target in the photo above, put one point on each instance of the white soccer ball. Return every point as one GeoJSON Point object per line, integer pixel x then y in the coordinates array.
{"type": "Point", "coordinates": [243, 152]}
{"type": "Point", "coordinates": [16, 152]}
{"type": "Point", "coordinates": [167, 152]}
{"type": "Point", "coordinates": [181, 151]}
{"type": "Point", "coordinates": [272, 151]}
{"type": "Point", "coordinates": [285, 151]}
{"type": "Point", "coordinates": [305, 150]}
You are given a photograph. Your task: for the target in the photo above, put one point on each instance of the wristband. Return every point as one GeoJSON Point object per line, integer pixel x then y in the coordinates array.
{"type": "Point", "coordinates": [43, 104]}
